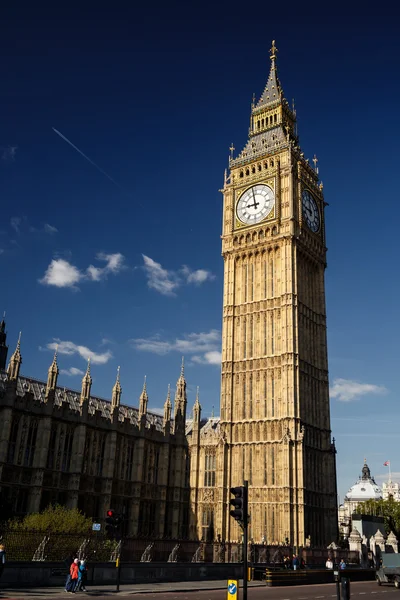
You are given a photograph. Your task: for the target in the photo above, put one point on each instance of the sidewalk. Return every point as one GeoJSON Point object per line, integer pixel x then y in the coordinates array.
{"type": "Point", "coordinates": [125, 590]}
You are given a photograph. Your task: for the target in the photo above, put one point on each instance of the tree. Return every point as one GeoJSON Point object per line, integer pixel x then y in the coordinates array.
{"type": "Point", "coordinates": [388, 509]}
{"type": "Point", "coordinates": [54, 519]}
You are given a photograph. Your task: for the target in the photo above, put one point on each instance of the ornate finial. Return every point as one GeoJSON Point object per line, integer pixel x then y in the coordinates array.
{"type": "Point", "coordinates": [144, 384]}
{"type": "Point", "coordinates": [273, 51]}
{"type": "Point", "coordinates": [55, 353]}
{"type": "Point", "coordinates": [118, 370]}
{"type": "Point", "coordinates": [19, 340]}
{"type": "Point", "coordinates": [212, 412]}
{"type": "Point", "coordinates": [183, 367]}
{"type": "Point", "coordinates": [232, 149]}
{"type": "Point", "coordinates": [365, 461]}
{"type": "Point", "coordinates": [88, 366]}
{"type": "Point", "coordinates": [169, 392]}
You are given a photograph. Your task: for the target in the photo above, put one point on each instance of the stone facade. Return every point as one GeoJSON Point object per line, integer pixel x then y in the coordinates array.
{"type": "Point", "coordinates": [61, 446]}
{"type": "Point", "coordinates": [274, 424]}
{"type": "Point", "coordinates": [274, 427]}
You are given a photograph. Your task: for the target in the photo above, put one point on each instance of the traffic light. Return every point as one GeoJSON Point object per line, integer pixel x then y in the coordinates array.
{"type": "Point", "coordinates": [240, 504]}
{"type": "Point", "coordinates": [114, 522]}
{"type": "Point", "coordinates": [110, 522]}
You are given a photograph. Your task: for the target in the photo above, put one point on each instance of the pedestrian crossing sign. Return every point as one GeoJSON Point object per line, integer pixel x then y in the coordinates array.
{"type": "Point", "coordinates": [233, 592]}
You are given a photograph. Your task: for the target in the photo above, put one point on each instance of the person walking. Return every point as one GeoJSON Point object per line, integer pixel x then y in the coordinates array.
{"type": "Point", "coordinates": [295, 562]}
{"type": "Point", "coordinates": [329, 563]}
{"type": "Point", "coordinates": [342, 564]}
{"type": "Point", "coordinates": [2, 559]}
{"type": "Point", "coordinates": [74, 573]}
{"type": "Point", "coordinates": [82, 577]}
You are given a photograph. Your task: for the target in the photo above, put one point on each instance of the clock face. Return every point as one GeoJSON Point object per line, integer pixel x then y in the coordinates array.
{"type": "Point", "coordinates": [255, 204]}
{"type": "Point", "coordinates": [310, 211]}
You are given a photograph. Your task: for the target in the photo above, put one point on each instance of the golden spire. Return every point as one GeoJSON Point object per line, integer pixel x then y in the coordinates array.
{"type": "Point", "coordinates": [86, 384]}
{"type": "Point", "coordinates": [167, 407]}
{"type": "Point", "coordinates": [116, 392]}
{"type": "Point", "coordinates": [197, 407]}
{"type": "Point", "coordinates": [143, 400]}
{"type": "Point", "coordinates": [52, 374]}
{"type": "Point", "coordinates": [273, 51]}
{"type": "Point", "coordinates": [15, 362]}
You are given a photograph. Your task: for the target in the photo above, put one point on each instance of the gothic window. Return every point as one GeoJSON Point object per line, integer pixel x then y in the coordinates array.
{"type": "Point", "coordinates": [251, 466]}
{"type": "Point", "coordinates": [247, 172]}
{"type": "Point", "coordinates": [275, 118]}
{"type": "Point", "coordinates": [265, 279]}
{"type": "Point", "coordinates": [241, 174]}
{"type": "Point", "coordinates": [265, 395]}
{"type": "Point", "coordinates": [265, 334]}
{"type": "Point", "coordinates": [271, 275]}
{"type": "Point", "coordinates": [251, 396]}
{"type": "Point", "coordinates": [100, 456]}
{"type": "Point", "coordinates": [272, 465]}
{"type": "Point", "coordinates": [147, 518]}
{"type": "Point", "coordinates": [30, 443]}
{"type": "Point", "coordinates": [262, 123]}
{"type": "Point", "coordinates": [265, 466]}
{"type": "Point", "coordinates": [207, 524]}
{"type": "Point", "coordinates": [12, 442]}
{"type": "Point", "coordinates": [251, 341]}
{"type": "Point", "coordinates": [272, 395]}
{"type": "Point", "coordinates": [259, 166]}
{"type": "Point", "coordinates": [253, 170]}
{"type": "Point", "coordinates": [272, 334]}
{"type": "Point", "coordinates": [244, 396]}
{"type": "Point", "coordinates": [252, 281]}
{"type": "Point", "coordinates": [209, 469]}
{"type": "Point", "coordinates": [243, 463]}
{"type": "Point", "coordinates": [129, 462]}
{"type": "Point", "coordinates": [265, 165]}
{"type": "Point", "coordinates": [52, 448]}
{"type": "Point", "coordinates": [67, 450]}
{"type": "Point", "coordinates": [245, 277]}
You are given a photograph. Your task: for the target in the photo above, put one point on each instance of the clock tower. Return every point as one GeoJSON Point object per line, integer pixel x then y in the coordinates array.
{"type": "Point", "coordinates": [275, 418]}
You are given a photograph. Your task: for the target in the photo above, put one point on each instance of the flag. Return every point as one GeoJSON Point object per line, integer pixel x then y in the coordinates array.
{"type": "Point", "coordinates": [386, 463]}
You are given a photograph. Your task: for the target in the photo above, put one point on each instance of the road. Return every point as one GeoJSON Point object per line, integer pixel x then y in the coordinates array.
{"type": "Point", "coordinates": [369, 589]}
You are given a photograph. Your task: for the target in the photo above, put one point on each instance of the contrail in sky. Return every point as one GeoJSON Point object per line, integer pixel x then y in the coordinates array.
{"type": "Point", "coordinates": [84, 156]}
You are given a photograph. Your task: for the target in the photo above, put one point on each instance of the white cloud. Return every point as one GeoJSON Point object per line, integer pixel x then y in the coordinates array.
{"type": "Point", "coordinates": [71, 372]}
{"type": "Point", "coordinates": [61, 273]}
{"type": "Point", "coordinates": [205, 346]}
{"type": "Point", "coordinates": [166, 281]}
{"type": "Point", "coordinates": [8, 153]}
{"type": "Point", "coordinates": [114, 264]}
{"type": "Point", "coordinates": [69, 348]}
{"type": "Point", "coordinates": [159, 279]}
{"type": "Point", "coordinates": [15, 223]}
{"type": "Point", "coordinates": [50, 229]}
{"type": "Point", "coordinates": [346, 390]}
{"type": "Point", "coordinates": [214, 357]}
{"type": "Point", "coordinates": [197, 277]}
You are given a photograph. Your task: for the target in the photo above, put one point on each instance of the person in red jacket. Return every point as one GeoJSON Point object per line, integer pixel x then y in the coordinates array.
{"type": "Point", "coordinates": [74, 573]}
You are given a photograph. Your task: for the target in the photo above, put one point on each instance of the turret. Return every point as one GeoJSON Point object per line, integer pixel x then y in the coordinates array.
{"type": "Point", "coordinates": [180, 401]}
{"type": "Point", "coordinates": [52, 375]}
{"type": "Point", "coordinates": [86, 384]}
{"type": "Point", "coordinates": [167, 409]}
{"type": "Point", "coordinates": [116, 394]}
{"type": "Point", "coordinates": [15, 362]}
{"type": "Point", "coordinates": [3, 344]}
{"type": "Point", "coordinates": [143, 400]}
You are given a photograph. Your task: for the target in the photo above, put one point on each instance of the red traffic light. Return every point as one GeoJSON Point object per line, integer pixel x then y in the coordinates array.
{"type": "Point", "coordinates": [110, 513]}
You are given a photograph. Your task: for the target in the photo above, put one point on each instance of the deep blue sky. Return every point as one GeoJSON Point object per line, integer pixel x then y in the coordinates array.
{"type": "Point", "coordinates": [154, 96]}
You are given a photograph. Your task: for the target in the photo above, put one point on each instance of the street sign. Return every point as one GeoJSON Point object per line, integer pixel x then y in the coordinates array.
{"type": "Point", "coordinates": [96, 527]}
{"type": "Point", "coordinates": [232, 589]}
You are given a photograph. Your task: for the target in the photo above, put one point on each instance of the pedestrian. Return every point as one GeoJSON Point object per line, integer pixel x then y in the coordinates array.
{"type": "Point", "coordinates": [302, 564]}
{"type": "Point", "coordinates": [295, 562]}
{"type": "Point", "coordinates": [2, 559]}
{"type": "Point", "coordinates": [286, 561]}
{"type": "Point", "coordinates": [74, 572]}
{"type": "Point", "coordinates": [342, 564]}
{"type": "Point", "coordinates": [329, 563]}
{"type": "Point", "coordinates": [82, 577]}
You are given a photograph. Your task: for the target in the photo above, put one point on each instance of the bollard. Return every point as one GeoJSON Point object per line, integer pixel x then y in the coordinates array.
{"type": "Point", "coordinates": [345, 585]}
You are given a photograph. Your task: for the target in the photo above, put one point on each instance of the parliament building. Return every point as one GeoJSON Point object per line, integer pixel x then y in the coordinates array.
{"type": "Point", "coordinates": [171, 476]}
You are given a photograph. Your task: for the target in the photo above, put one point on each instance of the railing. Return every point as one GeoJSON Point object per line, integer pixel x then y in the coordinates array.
{"type": "Point", "coordinates": [96, 547]}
